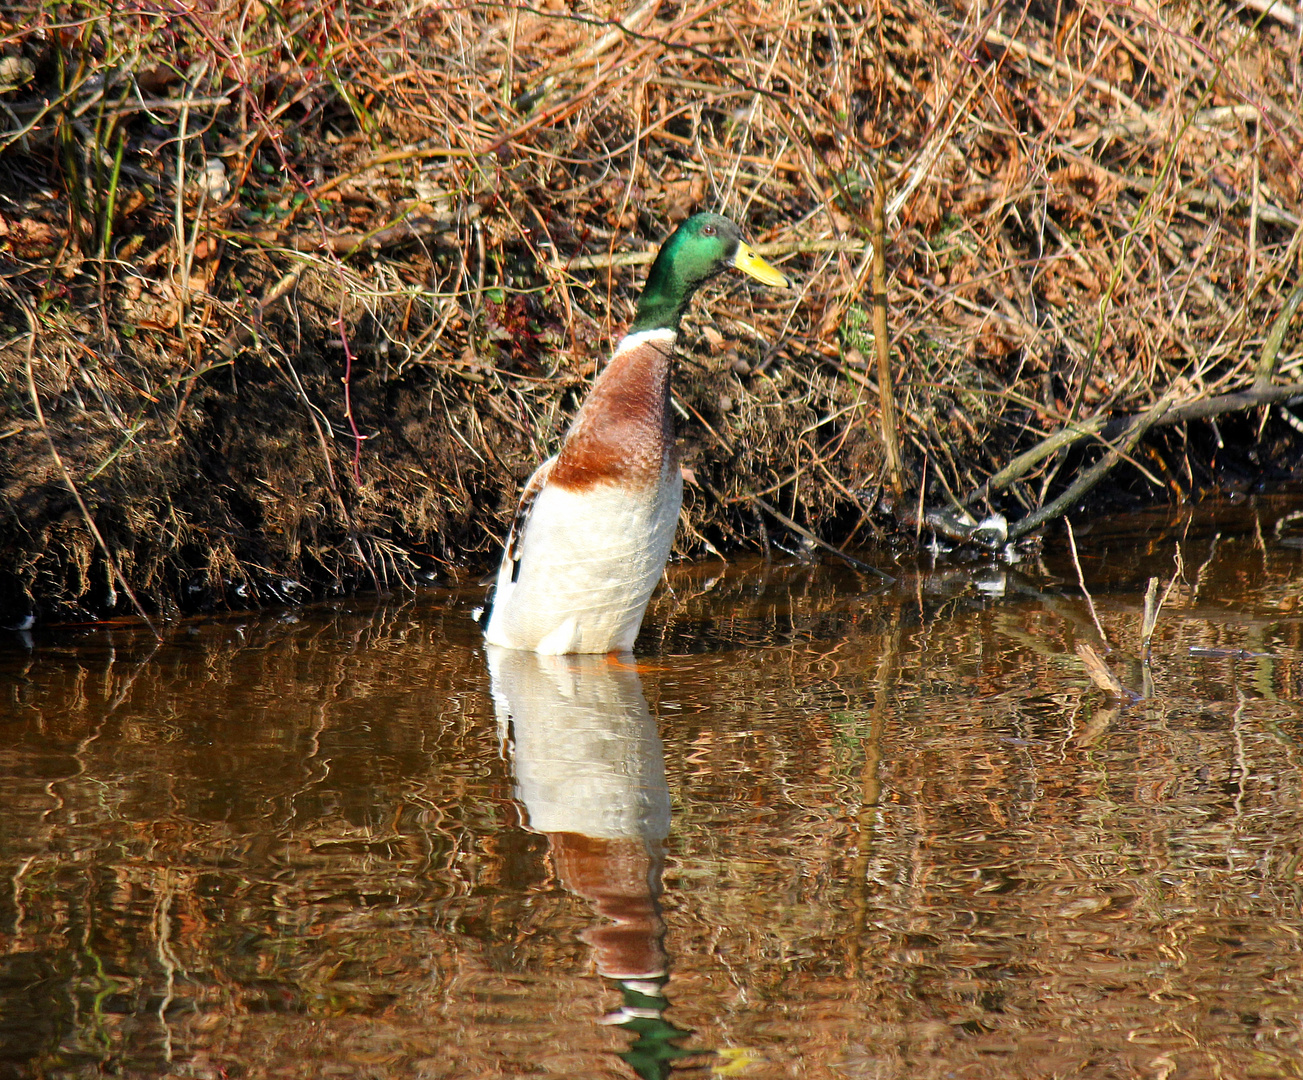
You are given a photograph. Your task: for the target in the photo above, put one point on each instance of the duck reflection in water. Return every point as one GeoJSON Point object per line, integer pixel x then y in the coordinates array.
{"type": "Point", "coordinates": [590, 773]}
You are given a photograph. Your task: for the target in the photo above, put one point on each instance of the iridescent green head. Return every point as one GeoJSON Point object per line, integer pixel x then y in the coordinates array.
{"type": "Point", "coordinates": [700, 248]}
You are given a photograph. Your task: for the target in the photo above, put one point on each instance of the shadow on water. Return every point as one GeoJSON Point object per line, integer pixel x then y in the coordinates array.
{"type": "Point", "coordinates": [823, 830]}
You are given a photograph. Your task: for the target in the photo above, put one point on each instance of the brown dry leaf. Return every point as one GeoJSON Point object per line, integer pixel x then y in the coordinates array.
{"type": "Point", "coordinates": [166, 321]}
{"type": "Point", "coordinates": [28, 238]}
{"type": "Point", "coordinates": [131, 201]}
{"type": "Point", "coordinates": [713, 338]}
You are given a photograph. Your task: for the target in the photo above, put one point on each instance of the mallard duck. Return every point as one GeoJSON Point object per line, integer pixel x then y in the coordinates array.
{"type": "Point", "coordinates": [596, 522]}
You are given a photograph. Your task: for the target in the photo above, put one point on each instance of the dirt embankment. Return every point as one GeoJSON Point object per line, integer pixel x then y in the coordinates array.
{"type": "Point", "coordinates": [292, 299]}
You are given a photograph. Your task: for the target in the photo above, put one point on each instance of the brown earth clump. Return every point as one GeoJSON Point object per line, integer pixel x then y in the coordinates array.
{"type": "Point", "coordinates": [293, 298]}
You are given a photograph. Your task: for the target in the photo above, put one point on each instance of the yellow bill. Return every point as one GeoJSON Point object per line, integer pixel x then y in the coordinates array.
{"type": "Point", "coordinates": [754, 266]}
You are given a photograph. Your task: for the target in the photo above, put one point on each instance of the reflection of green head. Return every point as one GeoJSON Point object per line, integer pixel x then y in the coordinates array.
{"type": "Point", "coordinates": [653, 1050]}
{"type": "Point", "coordinates": [700, 248]}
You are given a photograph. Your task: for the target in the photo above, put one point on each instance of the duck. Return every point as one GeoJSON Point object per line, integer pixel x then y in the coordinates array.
{"type": "Point", "coordinates": [596, 521]}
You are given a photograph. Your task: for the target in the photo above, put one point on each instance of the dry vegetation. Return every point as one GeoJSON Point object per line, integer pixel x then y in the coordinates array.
{"type": "Point", "coordinates": [292, 298]}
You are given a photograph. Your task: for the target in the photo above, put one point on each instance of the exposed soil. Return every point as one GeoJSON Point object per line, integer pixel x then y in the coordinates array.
{"type": "Point", "coordinates": [291, 301]}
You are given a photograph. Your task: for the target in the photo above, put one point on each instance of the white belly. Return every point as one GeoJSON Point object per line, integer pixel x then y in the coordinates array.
{"type": "Point", "coordinates": [589, 561]}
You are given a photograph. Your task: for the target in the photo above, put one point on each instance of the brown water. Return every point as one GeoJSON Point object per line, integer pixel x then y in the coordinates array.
{"type": "Point", "coordinates": [896, 833]}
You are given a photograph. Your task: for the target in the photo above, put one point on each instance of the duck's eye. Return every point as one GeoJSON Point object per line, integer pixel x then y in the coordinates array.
{"type": "Point", "coordinates": [708, 230]}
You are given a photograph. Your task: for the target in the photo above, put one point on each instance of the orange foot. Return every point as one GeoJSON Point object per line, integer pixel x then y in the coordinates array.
{"type": "Point", "coordinates": [617, 661]}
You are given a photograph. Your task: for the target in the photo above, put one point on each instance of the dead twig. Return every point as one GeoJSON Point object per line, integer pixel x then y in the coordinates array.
{"type": "Point", "coordinates": [109, 559]}
{"type": "Point", "coordinates": [1265, 369]}
{"type": "Point", "coordinates": [886, 383]}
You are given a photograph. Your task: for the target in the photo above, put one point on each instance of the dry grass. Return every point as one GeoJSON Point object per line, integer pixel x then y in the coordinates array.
{"type": "Point", "coordinates": [305, 291]}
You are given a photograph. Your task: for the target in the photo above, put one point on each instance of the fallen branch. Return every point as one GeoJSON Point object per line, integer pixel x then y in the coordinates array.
{"type": "Point", "coordinates": [238, 338]}
{"type": "Point", "coordinates": [1137, 427]}
{"type": "Point", "coordinates": [1108, 430]}
{"type": "Point", "coordinates": [407, 153]}
{"type": "Point", "coordinates": [1225, 403]}
{"type": "Point", "coordinates": [1260, 393]}
{"type": "Point", "coordinates": [403, 231]}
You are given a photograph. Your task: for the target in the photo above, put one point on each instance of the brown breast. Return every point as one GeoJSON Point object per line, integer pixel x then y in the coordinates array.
{"type": "Point", "coordinates": [623, 432]}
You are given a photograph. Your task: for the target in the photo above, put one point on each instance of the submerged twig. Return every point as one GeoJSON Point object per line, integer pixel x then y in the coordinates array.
{"type": "Point", "coordinates": [1099, 672]}
{"type": "Point", "coordinates": [1154, 604]}
{"type": "Point", "coordinates": [800, 530]}
{"type": "Point", "coordinates": [1081, 580]}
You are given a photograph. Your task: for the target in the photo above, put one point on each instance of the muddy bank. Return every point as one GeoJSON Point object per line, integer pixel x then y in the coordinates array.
{"type": "Point", "coordinates": [300, 321]}
{"type": "Point", "coordinates": [251, 488]}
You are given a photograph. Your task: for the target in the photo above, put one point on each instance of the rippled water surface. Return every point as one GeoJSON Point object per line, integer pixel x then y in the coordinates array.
{"type": "Point", "coordinates": [822, 828]}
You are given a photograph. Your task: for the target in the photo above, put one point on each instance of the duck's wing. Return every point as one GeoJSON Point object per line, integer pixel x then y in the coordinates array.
{"type": "Point", "coordinates": [520, 525]}
{"type": "Point", "coordinates": [504, 585]}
